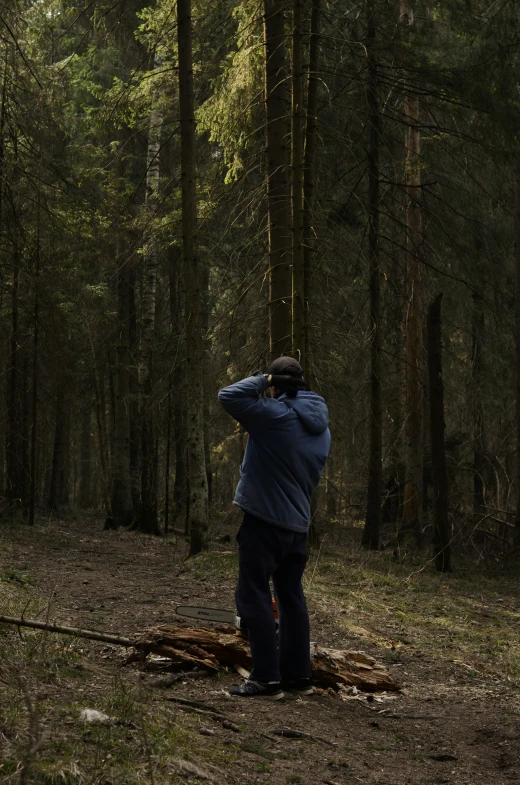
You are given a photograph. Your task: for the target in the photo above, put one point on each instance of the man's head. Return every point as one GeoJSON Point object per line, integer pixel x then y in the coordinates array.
{"type": "Point", "coordinates": [287, 366]}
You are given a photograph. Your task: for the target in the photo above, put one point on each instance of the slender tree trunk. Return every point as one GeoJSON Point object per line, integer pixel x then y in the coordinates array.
{"type": "Point", "coordinates": [309, 163]}
{"type": "Point", "coordinates": [517, 347]}
{"type": "Point", "coordinates": [122, 508]}
{"type": "Point", "coordinates": [297, 150]}
{"type": "Point", "coordinates": [198, 483]}
{"type": "Point", "coordinates": [181, 490]}
{"type": "Point", "coordinates": [477, 380]}
{"type": "Point", "coordinates": [372, 530]}
{"type": "Point", "coordinates": [441, 527]}
{"type": "Point", "coordinates": [102, 438]}
{"type": "Point", "coordinates": [5, 456]}
{"type": "Point", "coordinates": [311, 140]}
{"type": "Point", "coordinates": [331, 497]}
{"type": "Point", "coordinates": [180, 421]}
{"type": "Point", "coordinates": [24, 433]}
{"type": "Point", "coordinates": [111, 366]}
{"type": "Point", "coordinates": [14, 447]}
{"type": "Point", "coordinates": [35, 380]}
{"type": "Point", "coordinates": [278, 178]}
{"type": "Point", "coordinates": [147, 519]}
{"type": "Point", "coordinates": [207, 402]}
{"type": "Point", "coordinates": [85, 473]}
{"type": "Point", "coordinates": [3, 109]}
{"type": "Point", "coordinates": [59, 485]}
{"type": "Point", "coordinates": [412, 507]}
{"type": "Point", "coordinates": [133, 392]}
{"type": "Point", "coordinates": [168, 455]}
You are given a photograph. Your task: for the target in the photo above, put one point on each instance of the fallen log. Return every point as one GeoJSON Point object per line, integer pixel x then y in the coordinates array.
{"type": "Point", "coordinates": [223, 647]}
{"type": "Point", "coordinates": [213, 649]}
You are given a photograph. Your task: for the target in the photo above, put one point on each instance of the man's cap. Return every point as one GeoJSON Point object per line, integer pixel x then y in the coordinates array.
{"type": "Point", "coordinates": [286, 366]}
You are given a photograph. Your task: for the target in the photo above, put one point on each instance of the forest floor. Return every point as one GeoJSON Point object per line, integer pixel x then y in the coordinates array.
{"type": "Point", "coordinates": [452, 643]}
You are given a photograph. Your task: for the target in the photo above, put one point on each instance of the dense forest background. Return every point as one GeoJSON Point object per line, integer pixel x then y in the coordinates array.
{"type": "Point", "coordinates": [188, 189]}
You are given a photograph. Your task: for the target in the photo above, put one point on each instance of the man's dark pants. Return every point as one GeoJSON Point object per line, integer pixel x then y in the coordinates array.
{"type": "Point", "coordinates": [266, 551]}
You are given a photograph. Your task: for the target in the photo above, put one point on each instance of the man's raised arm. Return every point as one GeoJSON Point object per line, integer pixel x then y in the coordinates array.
{"type": "Point", "coordinates": [243, 402]}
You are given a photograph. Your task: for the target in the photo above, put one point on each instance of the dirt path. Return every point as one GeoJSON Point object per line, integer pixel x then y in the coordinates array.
{"type": "Point", "coordinates": [448, 725]}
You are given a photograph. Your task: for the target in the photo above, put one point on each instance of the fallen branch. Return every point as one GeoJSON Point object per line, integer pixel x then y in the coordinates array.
{"type": "Point", "coordinates": [383, 715]}
{"type": "Point", "coordinates": [290, 733]}
{"type": "Point", "coordinates": [193, 704]}
{"type": "Point", "coordinates": [77, 632]}
{"type": "Point", "coordinates": [205, 712]}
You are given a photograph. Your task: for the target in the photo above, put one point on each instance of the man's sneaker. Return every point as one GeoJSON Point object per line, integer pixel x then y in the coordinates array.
{"type": "Point", "coordinates": [300, 686]}
{"type": "Point", "coordinates": [257, 689]}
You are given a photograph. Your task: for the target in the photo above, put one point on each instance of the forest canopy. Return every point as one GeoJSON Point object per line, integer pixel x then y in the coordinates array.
{"type": "Point", "coordinates": [190, 189]}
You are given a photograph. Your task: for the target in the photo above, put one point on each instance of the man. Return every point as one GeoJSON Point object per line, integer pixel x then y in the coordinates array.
{"type": "Point", "coordinates": [288, 444]}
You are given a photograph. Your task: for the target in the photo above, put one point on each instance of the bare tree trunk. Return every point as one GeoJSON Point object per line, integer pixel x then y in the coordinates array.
{"type": "Point", "coordinates": [24, 432]}
{"type": "Point", "coordinates": [133, 392]}
{"type": "Point", "coordinates": [198, 483]}
{"type": "Point", "coordinates": [331, 496]}
{"type": "Point", "coordinates": [372, 530]}
{"type": "Point", "coordinates": [59, 485]}
{"type": "Point", "coordinates": [122, 508]}
{"type": "Point", "coordinates": [180, 421]}
{"type": "Point", "coordinates": [309, 159]}
{"type": "Point", "coordinates": [167, 460]}
{"type": "Point", "coordinates": [441, 526]}
{"type": "Point", "coordinates": [278, 178]}
{"type": "Point", "coordinates": [102, 438]}
{"type": "Point", "coordinates": [297, 150]}
{"type": "Point", "coordinates": [479, 448]}
{"type": "Point", "coordinates": [14, 446]}
{"type": "Point", "coordinates": [412, 507]}
{"type": "Point", "coordinates": [3, 110]}
{"type": "Point", "coordinates": [147, 518]}
{"type": "Point", "coordinates": [207, 403]}
{"type": "Point", "coordinates": [35, 379]}
{"type": "Point", "coordinates": [181, 490]}
{"type": "Point", "coordinates": [517, 347]}
{"type": "Point", "coordinates": [311, 139]}
{"type": "Point", "coordinates": [85, 460]}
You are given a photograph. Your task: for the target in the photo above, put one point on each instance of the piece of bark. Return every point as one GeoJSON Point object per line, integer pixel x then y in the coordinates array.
{"type": "Point", "coordinates": [230, 726]}
{"type": "Point", "coordinates": [193, 770]}
{"type": "Point", "coordinates": [443, 756]}
{"type": "Point", "coordinates": [181, 657]}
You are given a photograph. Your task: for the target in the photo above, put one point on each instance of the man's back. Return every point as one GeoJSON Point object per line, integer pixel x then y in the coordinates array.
{"type": "Point", "coordinates": [288, 445]}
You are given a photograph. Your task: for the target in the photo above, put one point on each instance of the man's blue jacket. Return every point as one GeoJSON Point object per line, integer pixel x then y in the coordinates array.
{"type": "Point", "coordinates": [288, 444]}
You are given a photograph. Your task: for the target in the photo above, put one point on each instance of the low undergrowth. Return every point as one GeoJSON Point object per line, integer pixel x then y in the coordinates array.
{"type": "Point", "coordinates": [467, 622]}
{"type": "Point", "coordinates": [470, 616]}
{"type": "Point", "coordinates": [46, 682]}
